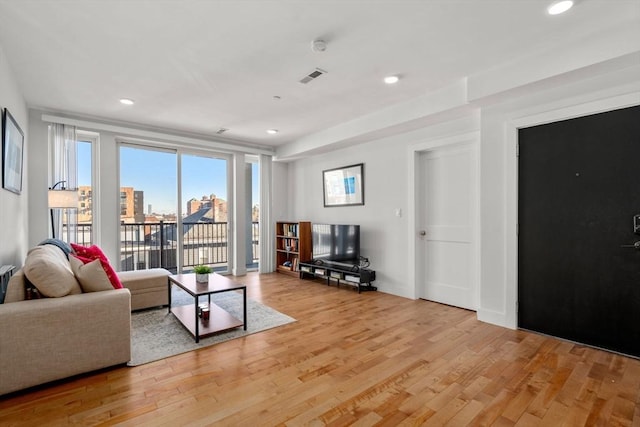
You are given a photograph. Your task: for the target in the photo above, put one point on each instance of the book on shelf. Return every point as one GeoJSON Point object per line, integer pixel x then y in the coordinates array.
{"type": "Point", "coordinates": [290, 230]}
{"type": "Point", "coordinates": [290, 264]}
{"type": "Point", "coordinates": [289, 245]}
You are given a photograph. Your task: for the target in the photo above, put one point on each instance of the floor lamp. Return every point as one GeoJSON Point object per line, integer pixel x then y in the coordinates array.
{"type": "Point", "coordinates": [61, 199]}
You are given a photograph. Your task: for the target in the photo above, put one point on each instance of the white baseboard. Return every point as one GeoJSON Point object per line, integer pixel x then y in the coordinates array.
{"type": "Point", "coordinates": [495, 318]}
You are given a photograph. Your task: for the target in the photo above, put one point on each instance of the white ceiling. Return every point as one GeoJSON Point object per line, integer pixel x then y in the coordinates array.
{"type": "Point", "coordinates": [197, 66]}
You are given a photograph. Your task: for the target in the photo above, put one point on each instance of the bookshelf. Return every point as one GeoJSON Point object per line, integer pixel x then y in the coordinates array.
{"type": "Point", "coordinates": [293, 245]}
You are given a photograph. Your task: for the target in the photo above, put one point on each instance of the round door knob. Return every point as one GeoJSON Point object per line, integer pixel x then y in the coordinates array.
{"type": "Point", "coordinates": [423, 233]}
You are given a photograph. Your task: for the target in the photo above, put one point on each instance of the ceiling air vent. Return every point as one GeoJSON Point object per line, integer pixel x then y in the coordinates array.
{"type": "Point", "coordinates": [313, 75]}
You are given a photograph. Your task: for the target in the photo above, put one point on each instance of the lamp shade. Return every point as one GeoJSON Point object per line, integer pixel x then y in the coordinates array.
{"type": "Point", "coordinates": [61, 199]}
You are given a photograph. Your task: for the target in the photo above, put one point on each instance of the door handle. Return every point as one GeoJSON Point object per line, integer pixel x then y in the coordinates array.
{"type": "Point", "coordinates": [636, 245]}
{"type": "Point", "coordinates": [424, 233]}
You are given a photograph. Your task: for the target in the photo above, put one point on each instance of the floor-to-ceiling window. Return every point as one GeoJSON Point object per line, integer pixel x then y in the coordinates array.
{"type": "Point", "coordinates": [85, 217]}
{"type": "Point", "coordinates": [205, 211]}
{"type": "Point", "coordinates": [174, 209]}
{"type": "Point", "coordinates": [80, 228]}
{"type": "Point", "coordinates": [148, 208]}
{"type": "Point", "coordinates": [253, 255]}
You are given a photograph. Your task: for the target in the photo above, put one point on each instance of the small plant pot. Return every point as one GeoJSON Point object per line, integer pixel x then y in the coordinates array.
{"type": "Point", "coordinates": [202, 277]}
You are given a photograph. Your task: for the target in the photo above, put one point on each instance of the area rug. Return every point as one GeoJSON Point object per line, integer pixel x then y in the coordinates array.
{"type": "Point", "coordinates": [157, 334]}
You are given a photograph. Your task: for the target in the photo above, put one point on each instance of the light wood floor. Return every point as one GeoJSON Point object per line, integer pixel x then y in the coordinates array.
{"type": "Point", "coordinates": [362, 359]}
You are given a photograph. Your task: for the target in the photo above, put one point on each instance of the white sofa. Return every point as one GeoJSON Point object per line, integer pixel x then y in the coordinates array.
{"type": "Point", "coordinates": [68, 332]}
{"type": "Point", "coordinates": [52, 338]}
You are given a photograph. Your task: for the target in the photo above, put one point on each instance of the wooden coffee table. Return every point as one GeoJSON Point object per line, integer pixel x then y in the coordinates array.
{"type": "Point", "coordinates": [219, 319]}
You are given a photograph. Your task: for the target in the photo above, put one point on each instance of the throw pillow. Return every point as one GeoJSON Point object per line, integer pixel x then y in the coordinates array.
{"type": "Point", "coordinates": [90, 274]}
{"type": "Point", "coordinates": [93, 252]}
{"type": "Point", "coordinates": [48, 269]}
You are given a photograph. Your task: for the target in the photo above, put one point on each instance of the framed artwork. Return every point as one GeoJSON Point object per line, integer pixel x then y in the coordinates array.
{"type": "Point", "coordinates": [12, 148]}
{"type": "Point", "coordinates": [344, 186]}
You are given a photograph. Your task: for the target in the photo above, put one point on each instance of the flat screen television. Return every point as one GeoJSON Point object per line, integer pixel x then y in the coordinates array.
{"type": "Point", "coordinates": [338, 243]}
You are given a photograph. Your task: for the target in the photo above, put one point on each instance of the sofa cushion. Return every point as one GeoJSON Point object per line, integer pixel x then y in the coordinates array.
{"type": "Point", "coordinates": [148, 287]}
{"type": "Point", "coordinates": [91, 274]}
{"type": "Point", "coordinates": [94, 252]}
{"type": "Point", "coordinates": [141, 280]}
{"type": "Point", "coordinates": [48, 269]}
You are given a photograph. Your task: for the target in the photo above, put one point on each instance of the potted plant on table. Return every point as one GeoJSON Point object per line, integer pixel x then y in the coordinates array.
{"type": "Point", "coordinates": [202, 273]}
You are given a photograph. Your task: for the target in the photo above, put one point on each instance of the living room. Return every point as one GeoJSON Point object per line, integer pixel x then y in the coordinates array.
{"type": "Point", "coordinates": [590, 79]}
{"type": "Point", "coordinates": [594, 69]}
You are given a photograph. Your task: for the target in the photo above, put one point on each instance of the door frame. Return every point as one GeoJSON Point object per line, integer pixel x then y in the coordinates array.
{"type": "Point", "coordinates": [471, 139]}
{"type": "Point", "coordinates": [512, 126]}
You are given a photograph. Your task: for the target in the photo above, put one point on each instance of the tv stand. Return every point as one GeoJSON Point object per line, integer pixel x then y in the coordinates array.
{"type": "Point", "coordinates": [352, 275]}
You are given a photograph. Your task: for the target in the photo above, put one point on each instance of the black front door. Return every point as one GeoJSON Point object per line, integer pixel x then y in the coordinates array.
{"type": "Point", "coordinates": [579, 189]}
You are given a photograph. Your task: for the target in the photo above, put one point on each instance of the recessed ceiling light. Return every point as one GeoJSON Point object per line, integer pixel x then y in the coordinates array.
{"type": "Point", "coordinates": [126, 101]}
{"type": "Point", "coordinates": [272, 131]}
{"type": "Point", "coordinates": [391, 80]}
{"type": "Point", "coordinates": [559, 7]}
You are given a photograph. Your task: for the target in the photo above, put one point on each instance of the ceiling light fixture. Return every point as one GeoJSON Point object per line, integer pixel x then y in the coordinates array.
{"type": "Point", "coordinates": [126, 101]}
{"type": "Point", "coordinates": [558, 7]}
{"type": "Point", "coordinates": [391, 79]}
{"type": "Point", "coordinates": [272, 131]}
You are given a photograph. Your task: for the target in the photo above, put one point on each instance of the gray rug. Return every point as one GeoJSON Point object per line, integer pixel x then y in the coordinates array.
{"type": "Point", "coordinates": [157, 334]}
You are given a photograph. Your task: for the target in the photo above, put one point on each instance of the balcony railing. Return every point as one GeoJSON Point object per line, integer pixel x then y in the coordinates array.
{"type": "Point", "coordinates": [151, 245]}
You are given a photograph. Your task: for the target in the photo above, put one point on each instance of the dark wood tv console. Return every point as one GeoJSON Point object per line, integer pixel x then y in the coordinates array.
{"type": "Point", "coordinates": [353, 276]}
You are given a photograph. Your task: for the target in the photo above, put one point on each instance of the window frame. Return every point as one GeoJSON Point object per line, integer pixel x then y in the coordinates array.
{"type": "Point", "coordinates": [93, 138]}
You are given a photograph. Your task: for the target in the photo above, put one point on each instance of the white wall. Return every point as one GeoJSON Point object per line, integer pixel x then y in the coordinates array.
{"type": "Point", "coordinates": [14, 231]}
{"type": "Point", "coordinates": [385, 238]}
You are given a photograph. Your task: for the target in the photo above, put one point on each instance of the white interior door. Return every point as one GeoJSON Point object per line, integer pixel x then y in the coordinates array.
{"type": "Point", "coordinates": [447, 226]}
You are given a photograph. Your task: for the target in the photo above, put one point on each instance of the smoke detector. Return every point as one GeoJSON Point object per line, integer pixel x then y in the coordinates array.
{"type": "Point", "coordinates": [318, 45]}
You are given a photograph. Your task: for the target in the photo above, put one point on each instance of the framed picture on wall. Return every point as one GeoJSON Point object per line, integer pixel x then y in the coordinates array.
{"type": "Point", "coordinates": [344, 186]}
{"type": "Point", "coordinates": [12, 148]}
